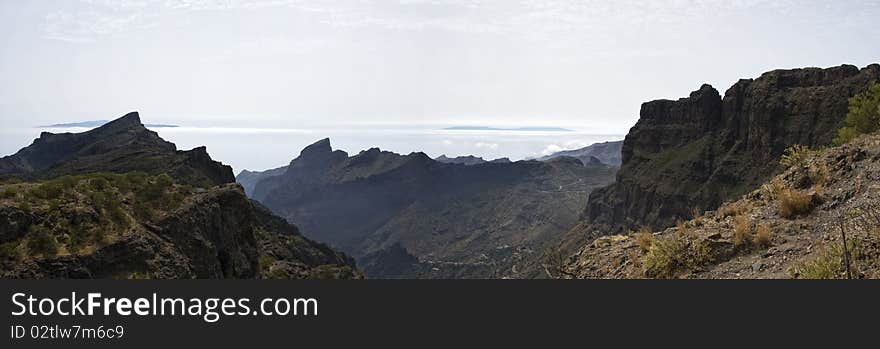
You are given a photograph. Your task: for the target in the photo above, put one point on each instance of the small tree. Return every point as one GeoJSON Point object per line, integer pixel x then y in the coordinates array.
{"type": "Point", "coordinates": [863, 116]}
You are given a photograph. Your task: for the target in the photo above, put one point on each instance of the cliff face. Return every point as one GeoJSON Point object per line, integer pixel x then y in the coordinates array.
{"type": "Point", "coordinates": [122, 145]}
{"type": "Point", "coordinates": [454, 220]}
{"type": "Point", "coordinates": [790, 227]}
{"type": "Point", "coordinates": [696, 152]}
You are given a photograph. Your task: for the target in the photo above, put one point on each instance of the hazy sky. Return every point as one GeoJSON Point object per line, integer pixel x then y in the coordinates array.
{"type": "Point", "coordinates": [496, 62]}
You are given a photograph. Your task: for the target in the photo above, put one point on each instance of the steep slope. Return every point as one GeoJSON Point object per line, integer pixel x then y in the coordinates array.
{"type": "Point", "coordinates": [607, 153]}
{"type": "Point", "coordinates": [697, 152]}
{"type": "Point", "coordinates": [483, 220]}
{"type": "Point", "coordinates": [130, 224]}
{"type": "Point", "coordinates": [789, 228]}
{"type": "Point", "coordinates": [122, 145]}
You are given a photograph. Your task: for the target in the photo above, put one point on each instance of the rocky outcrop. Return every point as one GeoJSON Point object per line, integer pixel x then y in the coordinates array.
{"type": "Point", "coordinates": [122, 145]}
{"type": "Point", "coordinates": [218, 234]}
{"type": "Point", "coordinates": [456, 220]}
{"type": "Point", "coordinates": [608, 153]}
{"type": "Point", "coordinates": [696, 152]}
{"type": "Point", "coordinates": [758, 236]}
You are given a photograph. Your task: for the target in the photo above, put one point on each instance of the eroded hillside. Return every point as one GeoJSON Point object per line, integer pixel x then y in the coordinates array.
{"type": "Point", "coordinates": [792, 227]}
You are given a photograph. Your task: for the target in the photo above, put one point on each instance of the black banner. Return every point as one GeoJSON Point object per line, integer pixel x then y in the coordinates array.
{"type": "Point", "coordinates": [422, 312]}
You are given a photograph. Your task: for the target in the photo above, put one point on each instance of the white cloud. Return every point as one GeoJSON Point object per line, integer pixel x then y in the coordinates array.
{"type": "Point", "coordinates": [562, 22]}
{"type": "Point", "coordinates": [550, 149]}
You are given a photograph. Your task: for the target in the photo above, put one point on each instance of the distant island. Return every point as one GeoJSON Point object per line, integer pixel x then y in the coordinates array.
{"type": "Point", "coordinates": [489, 128]}
{"type": "Point", "coordinates": [99, 123]}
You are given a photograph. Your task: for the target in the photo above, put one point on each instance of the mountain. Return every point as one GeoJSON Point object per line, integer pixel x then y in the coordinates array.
{"type": "Point", "coordinates": [697, 152]}
{"type": "Point", "coordinates": [120, 202]}
{"type": "Point", "coordinates": [606, 153]}
{"type": "Point", "coordinates": [412, 216]}
{"type": "Point", "coordinates": [467, 160]}
{"type": "Point", "coordinates": [122, 145]}
{"type": "Point", "coordinates": [790, 227]}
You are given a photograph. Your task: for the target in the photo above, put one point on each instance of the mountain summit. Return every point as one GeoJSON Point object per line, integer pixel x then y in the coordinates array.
{"type": "Point", "coordinates": [119, 146]}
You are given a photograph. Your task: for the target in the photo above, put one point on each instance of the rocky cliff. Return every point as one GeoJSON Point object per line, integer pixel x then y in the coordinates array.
{"type": "Point", "coordinates": [694, 153]}
{"type": "Point", "coordinates": [122, 145]}
{"type": "Point", "coordinates": [455, 220]}
{"type": "Point", "coordinates": [793, 226]}
{"type": "Point", "coordinates": [120, 202]}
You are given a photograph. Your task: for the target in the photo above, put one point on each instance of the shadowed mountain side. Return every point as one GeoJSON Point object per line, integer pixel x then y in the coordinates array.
{"type": "Point", "coordinates": [483, 220]}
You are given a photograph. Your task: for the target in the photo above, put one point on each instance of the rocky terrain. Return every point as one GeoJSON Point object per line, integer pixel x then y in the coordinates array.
{"type": "Point", "coordinates": [793, 226]}
{"type": "Point", "coordinates": [695, 153]}
{"type": "Point", "coordinates": [120, 202]}
{"type": "Point", "coordinates": [412, 216]}
{"type": "Point", "coordinates": [607, 153]}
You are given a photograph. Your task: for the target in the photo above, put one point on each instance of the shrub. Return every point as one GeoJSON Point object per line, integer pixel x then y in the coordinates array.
{"type": "Point", "coordinates": [10, 250]}
{"type": "Point", "coordinates": [794, 202]}
{"type": "Point", "coordinates": [828, 264]}
{"type": "Point", "coordinates": [99, 183]}
{"type": "Point", "coordinates": [645, 239]}
{"type": "Point", "coordinates": [136, 178]}
{"type": "Point", "coordinates": [742, 231]}
{"type": "Point", "coordinates": [47, 191]}
{"type": "Point", "coordinates": [7, 193]}
{"type": "Point", "coordinates": [41, 241]}
{"type": "Point", "coordinates": [763, 235]}
{"type": "Point", "coordinates": [66, 182]}
{"type": "Point", "coordinates": [666, 257]}
{"type": "Point", "coordinates": [863, 116]}
{"type": "Point", "coordinates": [795, 155]}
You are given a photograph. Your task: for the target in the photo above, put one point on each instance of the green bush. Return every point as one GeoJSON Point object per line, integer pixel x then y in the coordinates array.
{"type": "Point", "coordinates": [795, 155]}
{"type": "Point", "coordinates": [41, 241]}
{"type": "Point", "coordinates": [99, 183]}
{"type": "Point", "coordinates": [7, 193]}
{"type": "Point", "coordinates": [863, 116]}
{"type": "Point", "coordinates": [9, 250]}
{"type": "Point", "coordinates": [828, 264]}
{"type": "Point", "coordinates": [47, 191]}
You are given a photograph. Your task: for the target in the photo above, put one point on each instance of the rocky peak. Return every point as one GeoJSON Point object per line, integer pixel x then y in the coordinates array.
{"type": "Point", "coordinates": [699, 151]}
{"type": "Point", "coordinates": [122, 145]}
{"type": "Point", "coordinates": [131, 120]}
{"type": "Point", "coordinates": [320, 147]}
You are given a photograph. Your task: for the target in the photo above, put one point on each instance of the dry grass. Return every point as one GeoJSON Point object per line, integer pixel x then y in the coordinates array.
{"type": "Point", "coordinates": [794, 202]}
{"type": "Point", "coordinates": [645, 239]}
{"type": "Point", "coordinates": [763, 235]}
{"type": "Point", "coordinates": [697, 215]}
{"type": "Point", "coordinates": [733, 209]}
{"type": "Point", "coordinates": [742, 231]}
{"type": "Point", "coordinates": [675, 254]}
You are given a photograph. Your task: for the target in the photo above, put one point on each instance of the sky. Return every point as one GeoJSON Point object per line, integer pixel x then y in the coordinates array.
{"type": "Point", "coordinates": [588, 64]}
